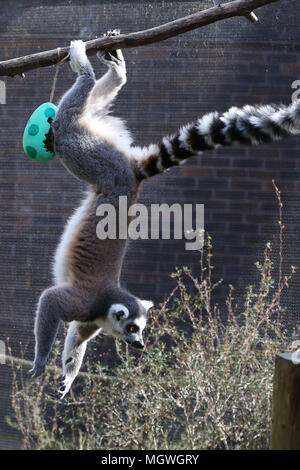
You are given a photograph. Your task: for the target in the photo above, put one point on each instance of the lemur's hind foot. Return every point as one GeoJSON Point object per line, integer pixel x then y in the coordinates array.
{"type": "Point", "coordinates": [79, 62]}
{"type": "Point", "coordinates": [112, 32]}
{"type": "Point", "coordinates": [110, 58]}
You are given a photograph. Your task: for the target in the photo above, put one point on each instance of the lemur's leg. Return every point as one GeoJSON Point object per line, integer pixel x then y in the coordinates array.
{"type": "Point", "coordinates": [108, 86]}
{"type": "Point", "coordinates": [75, 98]}
{"type": "Point", "coordinates": [55, 304]}
{"type": "Point", "coordinates": [75, 346]}
{"type": "Point", "coordinates": [77, 150]}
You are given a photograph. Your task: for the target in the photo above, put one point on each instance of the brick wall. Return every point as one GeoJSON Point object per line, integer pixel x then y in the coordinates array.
{"type": "Point", "coordinates": [170, 83]}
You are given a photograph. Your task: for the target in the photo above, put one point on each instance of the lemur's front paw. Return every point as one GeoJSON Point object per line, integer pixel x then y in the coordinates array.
{"type": "Point", "coordinates": [65, 385]}
{"type": "Point", "coordinates": [57, 394]}
{"type": "Point", "coordinates": [78, 56]}
{"type": "Point", "coordinates": [38, 369]}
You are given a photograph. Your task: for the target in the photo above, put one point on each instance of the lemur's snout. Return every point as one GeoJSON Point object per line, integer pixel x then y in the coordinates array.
{"type": "Point", "coordinates": [138, 345]}
{"type": "Point", "coordinates": [135, 344]}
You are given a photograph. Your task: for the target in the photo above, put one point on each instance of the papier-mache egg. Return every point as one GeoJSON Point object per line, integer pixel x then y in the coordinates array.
{"type": "Point", "coordinates": [34, 133]}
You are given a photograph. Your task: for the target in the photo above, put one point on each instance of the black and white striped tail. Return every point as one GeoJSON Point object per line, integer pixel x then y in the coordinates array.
{"type": "Point", "coordinates": [250, 125]}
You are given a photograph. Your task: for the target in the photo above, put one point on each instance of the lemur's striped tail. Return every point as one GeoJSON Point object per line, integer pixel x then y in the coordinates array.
{"type": "Point", "coordinates": [250, 125]}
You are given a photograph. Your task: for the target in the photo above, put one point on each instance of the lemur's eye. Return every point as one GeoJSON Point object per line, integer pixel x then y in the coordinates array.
{"type": "Point", "coordinates": [119, 315]}
{"type": "Point", "coordinates": [132, 328]}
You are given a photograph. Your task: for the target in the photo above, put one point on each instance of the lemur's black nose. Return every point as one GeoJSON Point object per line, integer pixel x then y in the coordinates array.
{"type": "Point", "coordinates": [135, 344]}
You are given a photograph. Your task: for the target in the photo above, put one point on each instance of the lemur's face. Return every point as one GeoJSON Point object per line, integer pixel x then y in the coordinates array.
{"type": "Point", "coordinates": [129, 326]}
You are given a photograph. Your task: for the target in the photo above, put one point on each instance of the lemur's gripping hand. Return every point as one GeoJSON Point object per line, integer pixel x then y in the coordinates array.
{"type": "Point", "coordinates": [78, 59]}
{"type": "Point", "coordinates": [38, 368]}
{"type": "Point", "coordinates": [64, 388]}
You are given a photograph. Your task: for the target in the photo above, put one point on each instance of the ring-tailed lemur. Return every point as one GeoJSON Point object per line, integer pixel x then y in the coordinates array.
{"type": "Point", "coordinates": [97, 148]}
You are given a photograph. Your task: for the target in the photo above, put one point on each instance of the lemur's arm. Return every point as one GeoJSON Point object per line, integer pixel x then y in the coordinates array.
{"type": "Point", "coordinates": [74, 350]}
{"type": "Point", "coordinates": [56, 304]}
{"type": "Point", "coordinates": [250, 125]}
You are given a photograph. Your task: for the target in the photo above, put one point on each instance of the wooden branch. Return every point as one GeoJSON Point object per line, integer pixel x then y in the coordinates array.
{"type": "Point", "coordinates": [251, 17]}
{"type": "Point", "coordinates": [141, 38]}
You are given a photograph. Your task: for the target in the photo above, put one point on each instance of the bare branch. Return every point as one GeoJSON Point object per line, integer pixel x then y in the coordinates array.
{"type": "Point", "coordinates": [251, 17]}
{"type": "Point", "coordinates": [141, 38]}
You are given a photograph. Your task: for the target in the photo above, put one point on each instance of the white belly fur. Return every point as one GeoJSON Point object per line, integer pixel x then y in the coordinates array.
{"type": "Point", "coordinates": [60, 272]}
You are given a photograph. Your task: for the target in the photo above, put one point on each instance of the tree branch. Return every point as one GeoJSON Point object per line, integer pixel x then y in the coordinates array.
{"type": "Point", "coordinates": [141, 38]}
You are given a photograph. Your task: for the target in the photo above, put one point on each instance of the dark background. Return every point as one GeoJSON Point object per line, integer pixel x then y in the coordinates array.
{"type": "Point", "coordinates": [170, 83]}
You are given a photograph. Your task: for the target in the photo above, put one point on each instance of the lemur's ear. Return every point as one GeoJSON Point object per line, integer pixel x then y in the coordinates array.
{"type": "Point", "coordinates": [118, 311]}
{"type": "Point", "coordinates": [147, 304]}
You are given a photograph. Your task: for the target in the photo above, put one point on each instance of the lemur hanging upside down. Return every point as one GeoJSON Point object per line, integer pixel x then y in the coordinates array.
{"type": "Point", "coordinates": [97, 148]}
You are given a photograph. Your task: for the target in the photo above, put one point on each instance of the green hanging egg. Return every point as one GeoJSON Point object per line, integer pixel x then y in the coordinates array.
{"type": "Point", "coordinates": [35, 132]}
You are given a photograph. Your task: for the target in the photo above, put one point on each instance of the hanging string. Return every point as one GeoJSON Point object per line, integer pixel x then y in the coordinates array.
{"type": "Point", "coordinates": [56, 74]}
